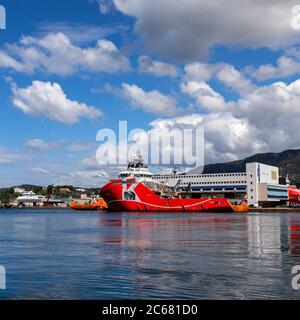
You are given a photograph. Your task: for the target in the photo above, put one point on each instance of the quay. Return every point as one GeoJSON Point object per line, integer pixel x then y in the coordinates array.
{"type": "Point", "coordinates": [276, 209]}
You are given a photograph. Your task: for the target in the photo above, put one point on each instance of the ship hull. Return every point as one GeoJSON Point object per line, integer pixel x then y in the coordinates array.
{"type": "Point", "coordinates": [294, 196]}
{"type": "Point", "coordinates": [137, 206]}
{"type": "Point", "coordinates": [143, 199]}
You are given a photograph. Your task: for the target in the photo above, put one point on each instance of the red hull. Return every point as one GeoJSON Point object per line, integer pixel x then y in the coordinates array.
{"type": "Point", "coordinates": [146, 200]}
{"type": "Point", "coordinates": [294, 196]}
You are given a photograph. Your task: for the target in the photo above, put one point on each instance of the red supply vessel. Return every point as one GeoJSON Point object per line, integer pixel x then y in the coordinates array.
{"type": "Point", "coordinates": [135, 190]}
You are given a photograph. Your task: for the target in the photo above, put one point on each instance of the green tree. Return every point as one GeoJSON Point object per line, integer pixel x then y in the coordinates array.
{"type": "Point", "coordinates": [7, 196]}
{"type": "Point", "coordinates": [49, 191]}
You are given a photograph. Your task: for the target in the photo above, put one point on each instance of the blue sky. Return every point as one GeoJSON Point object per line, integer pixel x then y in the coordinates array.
{"type": "Point", "coordinates": [68, 70]}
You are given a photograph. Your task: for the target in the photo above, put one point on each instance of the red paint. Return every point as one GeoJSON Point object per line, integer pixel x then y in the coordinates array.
{"type": "Point", "coordinates": [148, 201]}
{"type": "Point", "coordinates": [294, 195]}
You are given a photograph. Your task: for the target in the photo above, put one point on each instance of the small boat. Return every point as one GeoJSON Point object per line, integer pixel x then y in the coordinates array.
{"type": "Point", "coordinates": [96, 205]}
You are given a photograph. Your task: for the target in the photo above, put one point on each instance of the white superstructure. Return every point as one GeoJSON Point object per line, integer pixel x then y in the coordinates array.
{"type": "Point", "coordinates": [137, 169]}
{"type": "Point", "coordinates": [29, 198]}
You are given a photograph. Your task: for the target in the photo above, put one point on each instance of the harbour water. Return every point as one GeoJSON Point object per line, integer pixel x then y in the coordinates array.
{"type": "Point", "coordinates": [63, 254]}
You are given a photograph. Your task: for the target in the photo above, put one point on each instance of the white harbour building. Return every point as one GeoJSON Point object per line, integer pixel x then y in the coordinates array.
{"type": "Point", "coordinates": [30, 199]}
{"type": "Point", "coordinates": [259, 185]}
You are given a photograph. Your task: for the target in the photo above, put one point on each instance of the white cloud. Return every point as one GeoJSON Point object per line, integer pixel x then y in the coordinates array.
{"type": "Point", "coordinates": [285, 67]}
{"type": "Point", "coordinates": [48, 100]}
{"type": "Point", "coordinates": [225, 134]}
{"type": "Point", "coordinates": [56, 54]}
{"type": "Point", "coordinates": [189, 29]}
{"type": "Point", "coordinates": [225, 73]}
{"type": "Point", "coordinates": [156, 68]}
{"type": "Point", "coordinates": [232, 78]}
{"type": "Point", "coordinates": [7, 61]}
{"type": "Point", "coordinates": [39, 144]}
{"type": "Point", "coordinates": [265, 119]}
{"type": "Point", "coordinates": [77, 32]}
{"type": "Point", "coordinates": [197, 71]}
{"type": "Point", "coordinates": [152, 101]}
{"type": "Point", "coordinates": [274, 109]}
{"type": "Point", "coordinates": [205, 96]}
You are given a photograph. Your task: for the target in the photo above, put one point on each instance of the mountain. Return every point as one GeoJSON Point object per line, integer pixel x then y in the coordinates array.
{"type": "Point", "coordinates": [287, 161]}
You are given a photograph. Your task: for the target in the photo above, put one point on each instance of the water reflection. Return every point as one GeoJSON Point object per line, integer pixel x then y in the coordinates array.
{"type": "Point", "coordinates": [250, 247]}
{"type": "Point", "coordinates": [142, 231]}
{"type": "Point", "coordinates": [112, 256]}
{"type": "Point", "coordinates": [294, 235]}
{"type": "Point", "coordinates": [264, 235]}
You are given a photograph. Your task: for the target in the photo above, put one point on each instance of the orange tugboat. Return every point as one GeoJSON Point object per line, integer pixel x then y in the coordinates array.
{"type": "Point", "coordinates": [96, 205]}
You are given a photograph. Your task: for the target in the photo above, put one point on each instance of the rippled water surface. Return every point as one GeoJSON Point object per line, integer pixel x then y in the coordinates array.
{"type": "Point", "coordinates": [68, 255]}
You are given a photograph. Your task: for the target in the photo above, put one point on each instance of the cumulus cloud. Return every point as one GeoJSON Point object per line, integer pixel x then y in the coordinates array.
{"type": "Point", "coordinates": [197, 71]}
{"type": "Point", "coordinates": [274, 110]}
{"type": "Point", "coordinates": [285, 67]}
{"type": "Point", "coordinates": [204, 95]}
{"type": "Point", "coordinates": [151, 101]}
{"type": "Point", "coordinates": [56, 54]}
{"type": "Point", "coordinates": [225, 134]}
{"type": "Point", "coordinates": [156, 68]}
{"type": "Point", "coordinates": [267, 118]}
{"type": "Point", "coordinates": [48, 100]}
{"type": "Point", "coordinates": [263, 119]}
{"type": "Point", "coordinates": [232, 78]}
{"type": "Point", "coordinates": [188, 29]}
{"type": "Point", "coordinates": [225, 73]}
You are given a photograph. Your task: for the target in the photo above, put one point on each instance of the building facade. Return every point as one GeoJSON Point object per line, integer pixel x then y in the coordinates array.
{"type": "Point", "coordinates": [259, 185]}
{"type": "Point", "coordinates": [263, 188]}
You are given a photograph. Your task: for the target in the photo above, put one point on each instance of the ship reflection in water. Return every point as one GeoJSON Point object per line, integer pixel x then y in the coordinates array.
{"type": "Point", "coordinates": [67, 255]}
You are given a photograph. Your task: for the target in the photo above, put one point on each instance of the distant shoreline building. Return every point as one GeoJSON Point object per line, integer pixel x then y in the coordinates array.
{"type": "Point", "coordinates": [19, 190]}
{"type": "Point", "coordinates": [30, 199]}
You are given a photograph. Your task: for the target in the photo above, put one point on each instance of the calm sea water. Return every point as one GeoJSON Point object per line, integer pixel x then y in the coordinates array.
{"type": "Point", "coordinates": [69, 255]}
